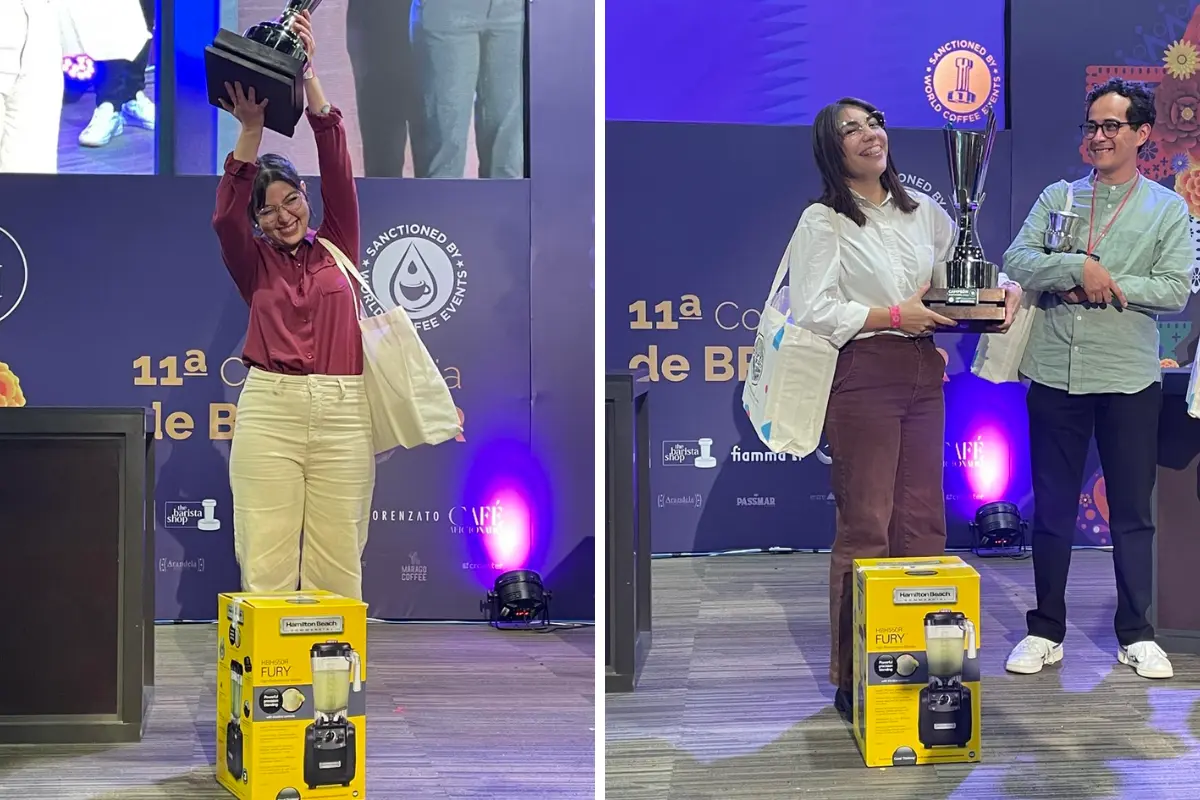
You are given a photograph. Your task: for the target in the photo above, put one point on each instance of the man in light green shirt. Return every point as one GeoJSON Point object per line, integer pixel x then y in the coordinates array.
{"type": "Point", "coordinates": [1093, 366]}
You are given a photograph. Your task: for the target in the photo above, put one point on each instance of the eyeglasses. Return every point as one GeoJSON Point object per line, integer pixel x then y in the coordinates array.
{"type": "Point", "coordinates": [292, 204]}
{"type": "Point", "coordinates": [1110, 127]}
{"type": "Point", "coordinates": [875, 122]}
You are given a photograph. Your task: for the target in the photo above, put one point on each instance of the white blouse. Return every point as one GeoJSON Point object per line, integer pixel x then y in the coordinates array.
{"type": "Point", "coordinates": [839, 271]}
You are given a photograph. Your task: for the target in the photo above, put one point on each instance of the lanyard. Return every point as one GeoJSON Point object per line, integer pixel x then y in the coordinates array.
{"type": "Point", "coordinates": [1092, 214]}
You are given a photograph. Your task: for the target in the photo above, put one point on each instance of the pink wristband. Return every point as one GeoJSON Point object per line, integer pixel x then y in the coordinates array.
{"type": "Point", "coordinates": [894, 312]}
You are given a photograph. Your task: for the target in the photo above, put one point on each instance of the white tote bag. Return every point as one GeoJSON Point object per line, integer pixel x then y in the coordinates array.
{"type": "Point", "coordinates": [104, 30]}
{"type": "Point", "coordinates": [791, 373]}
{"type": "Point", "coordinates": [998, 355]}
{"type": "Point", "coordinates": [1193, 402]}
{"type": "Point", "coordinates": [409, 400]}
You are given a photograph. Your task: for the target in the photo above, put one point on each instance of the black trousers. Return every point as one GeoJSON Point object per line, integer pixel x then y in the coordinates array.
{"type": "Point", "coordinates": [1061, 427]}
{"type": "Point", "coordinates": [118, 82]}
{"type": "Point", "coordinates": [389, 108]}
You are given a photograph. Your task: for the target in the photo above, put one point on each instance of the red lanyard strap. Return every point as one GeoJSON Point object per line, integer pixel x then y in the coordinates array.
{"type": "Point", "coordinates": [1092, 214]}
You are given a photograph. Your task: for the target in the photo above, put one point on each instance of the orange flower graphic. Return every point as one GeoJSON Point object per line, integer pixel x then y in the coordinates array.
{"type": "Point", "coordinates": [1187, 184]}
{"type": "Point", "coordinates": [10, 388]}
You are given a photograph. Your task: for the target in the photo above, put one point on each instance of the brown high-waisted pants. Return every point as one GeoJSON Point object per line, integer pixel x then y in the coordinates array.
{"type": "Point", "coordinates": [886, 428]}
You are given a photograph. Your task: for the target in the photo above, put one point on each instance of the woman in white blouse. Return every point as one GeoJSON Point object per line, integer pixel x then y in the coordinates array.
{"type": "Point", "coordinates": [870, 249]}
{"type": "Point", "coordinates": [31, 86]}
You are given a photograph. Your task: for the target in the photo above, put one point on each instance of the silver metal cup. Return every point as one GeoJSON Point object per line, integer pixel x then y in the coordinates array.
{"type": "Point", "coordinates": [1062, 232]}
{"type": "Point", "coordinates": [969, 153]}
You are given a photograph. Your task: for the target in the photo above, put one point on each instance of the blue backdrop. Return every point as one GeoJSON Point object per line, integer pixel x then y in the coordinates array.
{"type": "Point", "coordinates": [776, 62]}
{"type": "Point", "coordinates": [112, 292]}
{"type": "Point", "coordinates": [699, 214]}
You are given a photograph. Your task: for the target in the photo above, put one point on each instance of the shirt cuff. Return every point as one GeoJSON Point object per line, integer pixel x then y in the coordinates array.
{"type": "Point", "coordinates": [326, 122]}
{"type": "Point", "coordinates": [239, 169]}
{"type": "Point", "coordinates": [853, 320]}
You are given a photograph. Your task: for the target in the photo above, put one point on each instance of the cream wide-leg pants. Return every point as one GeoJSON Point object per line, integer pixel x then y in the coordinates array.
{"type": "Point", "coordinates": [31, 86]}
{"type": "Point", "coordinates": [302, 470]}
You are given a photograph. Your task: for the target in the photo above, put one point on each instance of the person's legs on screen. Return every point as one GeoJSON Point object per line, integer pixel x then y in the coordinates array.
{"type": "Point", "coordinates": [446, 51]}
{"type": "Point", "coordinates": [121, 97]}
{"type": "Point", "coordinates": [339, 481]}
{"type": "Point", "coordinates": [266, 474]}
{"type": "Point", "coordinates": [378, 42]}
{"type": "Point", "coordinates": [500, 101]}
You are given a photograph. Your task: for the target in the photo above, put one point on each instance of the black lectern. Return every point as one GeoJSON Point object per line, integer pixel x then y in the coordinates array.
{"type": "Point", "coordinates": [627, 523]}
{"type": "Point", "coordinates": [77, 571]}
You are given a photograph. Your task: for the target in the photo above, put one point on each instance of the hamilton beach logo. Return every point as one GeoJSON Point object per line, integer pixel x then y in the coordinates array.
{"type": "Point", "coordinates": [418, 268]}
{"type": "Point", "coordinates": [962, 77]}
{"type": "Point", "coordinates": [14, 274]}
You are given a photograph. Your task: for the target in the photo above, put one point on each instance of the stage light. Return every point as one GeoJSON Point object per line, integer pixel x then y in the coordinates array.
{"type": "Point", "coordinates": [519, 599]}
{"type": "Point", "coordinates": [998, 529]}
{"type": "Point", "coordinates": [80, 69]}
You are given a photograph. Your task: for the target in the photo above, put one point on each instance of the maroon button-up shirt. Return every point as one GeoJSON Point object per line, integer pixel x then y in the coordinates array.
{"type": "Point", "coordinates": [303, 313]}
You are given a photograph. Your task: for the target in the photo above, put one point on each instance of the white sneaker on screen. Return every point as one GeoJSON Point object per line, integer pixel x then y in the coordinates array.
{"type": "Point", "coordinates": [1032, 653]}
{"type": "Point", "coordinates": [1147, 660]}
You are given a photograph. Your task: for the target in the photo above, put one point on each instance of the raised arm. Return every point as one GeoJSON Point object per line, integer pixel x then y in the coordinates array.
{"type": "Point", "coordinates": [1165, 289]}
{"type": "Point", "coordinates": [1028, 264]}
{"type": "Point", "coordinates": [339, 197]}
{"type": "Point", "coordinates": [231, 218]}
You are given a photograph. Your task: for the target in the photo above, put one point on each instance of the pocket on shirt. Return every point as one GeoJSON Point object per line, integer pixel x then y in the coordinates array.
{"type": "Point", "coordinates": [330, 280]}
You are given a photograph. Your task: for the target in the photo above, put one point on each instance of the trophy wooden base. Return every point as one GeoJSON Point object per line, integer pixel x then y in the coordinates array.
{"type": "Point", "coordinates": [274, 76]}
{"type": "Point", "coordinates": [975, 310]}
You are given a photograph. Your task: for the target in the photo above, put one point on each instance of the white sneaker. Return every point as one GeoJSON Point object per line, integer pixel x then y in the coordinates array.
{"type": "Point", "coordinates": [139, 112]}
{"type": "Point", "coordinates": [1032, 653]}
{"type": "Point", "coordinates": [106, 123]}
{"type": "Point", "coordinates": [1147, 659]}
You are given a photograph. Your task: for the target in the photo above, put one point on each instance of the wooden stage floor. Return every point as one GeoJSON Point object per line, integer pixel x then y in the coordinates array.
{"type": "Point", "coordinates": [455, 712]}
{"type": "Point", "coordinates": [734, 701]}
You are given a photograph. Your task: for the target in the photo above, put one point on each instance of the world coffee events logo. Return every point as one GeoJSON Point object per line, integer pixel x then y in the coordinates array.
{"type": "Point", "coordinates": [961, 79]}
{"type": "Point", "coordinates": [14, 274]}
{"type": "Point", "coordinates": [418, 268]}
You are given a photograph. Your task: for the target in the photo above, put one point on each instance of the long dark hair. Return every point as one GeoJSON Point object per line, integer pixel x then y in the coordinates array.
{"type": "Point", "coordinates": [831, 161]}
{"type": "Point", "coordinates": [271, 167]}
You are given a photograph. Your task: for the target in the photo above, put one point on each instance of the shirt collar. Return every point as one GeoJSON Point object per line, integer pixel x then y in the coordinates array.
{"type": "Point", "coordinates": [1112, 187]}
{"type": "Point", "coordinates": [887, 200]}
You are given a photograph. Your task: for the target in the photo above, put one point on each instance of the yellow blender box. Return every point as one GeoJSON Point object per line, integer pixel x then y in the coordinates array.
{"type": "Point", "coordinates": [292, 696]}
{"type": "Point", "coordinates": [916, 661]}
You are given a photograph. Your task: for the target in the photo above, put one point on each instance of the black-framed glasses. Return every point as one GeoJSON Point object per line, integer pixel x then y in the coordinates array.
{"type": "Point", "coordinates": [875, 122]}
{"type": "Point", "coordinates": [293, 203]}
{"type": "Point", "coordinates": [1110, 127]}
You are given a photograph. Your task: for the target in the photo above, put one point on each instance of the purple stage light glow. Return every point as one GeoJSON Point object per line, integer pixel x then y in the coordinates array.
{"type": "Point", "coordinates": [505, 516]}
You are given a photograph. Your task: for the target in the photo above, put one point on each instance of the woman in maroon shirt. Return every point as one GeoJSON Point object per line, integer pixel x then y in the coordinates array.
{"type": "Point", "coordinates": [302, 464]}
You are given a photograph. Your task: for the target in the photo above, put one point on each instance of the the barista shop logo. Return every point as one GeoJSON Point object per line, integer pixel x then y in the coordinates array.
{"type": "Point", "coordinates": [961, 79]}
{"type": "Point", "coordinates": [414, 570]}
{"type": "Point", "coordinates": [418, 268]}
{"type": "Point", "coordinates": [924, 187]}
{"type": "Point", "coordinates": [14, 274]}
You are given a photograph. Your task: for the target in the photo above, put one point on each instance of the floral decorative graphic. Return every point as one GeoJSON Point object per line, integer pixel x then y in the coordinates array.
{"type": "Point", "coordinates": [1187, 184]}
{"type": "Point", "coordinates": [1178, 105]}
{"type": "Point", "coordinates": [1181, 60]}
{"type": "Point", "coordinates": [10, 388]}
{"type": "Point", "coordinates": [1179, 163]}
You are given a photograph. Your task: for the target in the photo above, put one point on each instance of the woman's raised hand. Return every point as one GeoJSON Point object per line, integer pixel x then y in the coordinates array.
{"type": "Point", "coordinates": [244, 107]}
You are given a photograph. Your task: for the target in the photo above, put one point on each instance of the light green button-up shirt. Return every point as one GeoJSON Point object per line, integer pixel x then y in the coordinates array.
{"type": "Point", "coordinates": [1083, 349]}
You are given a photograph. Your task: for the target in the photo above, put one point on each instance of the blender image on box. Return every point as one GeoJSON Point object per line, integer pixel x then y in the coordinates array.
{"type": "Point", "coordinates": [946, 718]}
{"type": "Point", "coordinates": [329, 742]}
{"type": "Point", "coordinates": [234, 746]}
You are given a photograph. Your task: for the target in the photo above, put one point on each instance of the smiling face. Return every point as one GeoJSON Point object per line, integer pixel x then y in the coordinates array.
{"type": "Point", "coordinates": [1113, 143]}
{"type": "Point", "coordinates": [284, 215]}
{"type": "Point", "coordinates": [864, 143]}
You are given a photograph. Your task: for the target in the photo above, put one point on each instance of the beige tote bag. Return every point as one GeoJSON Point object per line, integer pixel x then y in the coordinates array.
{"type": "Point", "coordinates": [998, 355]}
{"type": "Point", "coordinates": [409, 400]}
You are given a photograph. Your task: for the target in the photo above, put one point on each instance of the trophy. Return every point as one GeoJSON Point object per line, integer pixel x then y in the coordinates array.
{"type": "Point", "coordinates": [1062, 232]}
{"type": "Point", "coordinates": [971, 296]}
{"type": "Point", "coordinates": [270, 59]}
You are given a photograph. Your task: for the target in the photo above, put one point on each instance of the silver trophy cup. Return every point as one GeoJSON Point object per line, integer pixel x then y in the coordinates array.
{"type": "Point", "coordinates": [1062, 232]}
{"type": "Point", "coordinates": [971, 296]}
